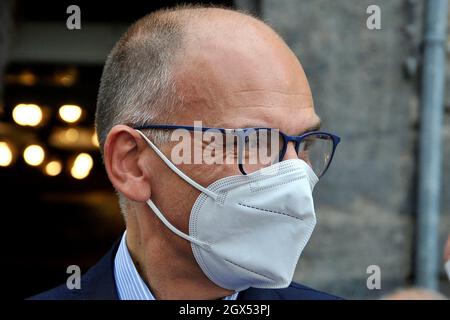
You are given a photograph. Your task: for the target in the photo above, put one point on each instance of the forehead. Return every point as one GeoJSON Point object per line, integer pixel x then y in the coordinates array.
{"type": "Point", "coordinates": [292, 113]}
{"type": "Point", "coordinates": [246, 81]}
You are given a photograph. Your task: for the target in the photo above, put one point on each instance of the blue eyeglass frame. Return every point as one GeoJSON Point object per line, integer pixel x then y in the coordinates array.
{"type": "Point", "coordinates": [242, 132]}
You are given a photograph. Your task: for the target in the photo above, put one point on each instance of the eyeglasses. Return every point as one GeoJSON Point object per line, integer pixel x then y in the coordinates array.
{"type": "Point", "coordinates": [255, 148]}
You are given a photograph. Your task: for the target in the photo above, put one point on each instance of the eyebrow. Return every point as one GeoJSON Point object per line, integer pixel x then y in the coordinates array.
{"type": "Point", "coordinates": [315, 127]}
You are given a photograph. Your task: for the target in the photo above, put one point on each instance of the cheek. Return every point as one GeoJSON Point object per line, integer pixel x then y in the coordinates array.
{"type": "Point", "coordinates": [206, 174]}
{"type": "Point", "coordinates": [175, 197]}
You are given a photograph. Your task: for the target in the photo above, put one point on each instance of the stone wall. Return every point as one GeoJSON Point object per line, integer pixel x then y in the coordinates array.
{"type": "Point", "coordinates": [365, 84]}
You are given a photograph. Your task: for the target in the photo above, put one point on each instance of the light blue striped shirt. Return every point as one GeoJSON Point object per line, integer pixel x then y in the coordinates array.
{"type": "Point", "coordinates": [130, 285]}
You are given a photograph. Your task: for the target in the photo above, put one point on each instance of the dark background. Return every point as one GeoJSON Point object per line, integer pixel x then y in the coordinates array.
{"type": "Point", "coordinates": [53, 222]}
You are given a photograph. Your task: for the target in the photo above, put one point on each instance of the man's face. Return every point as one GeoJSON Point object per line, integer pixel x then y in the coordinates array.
{"type": "Point", "coordinates": [252, 80]}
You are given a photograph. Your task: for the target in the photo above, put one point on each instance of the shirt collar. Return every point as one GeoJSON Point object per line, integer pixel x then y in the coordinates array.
{"type": "Point", "coordinates": [130, 285]}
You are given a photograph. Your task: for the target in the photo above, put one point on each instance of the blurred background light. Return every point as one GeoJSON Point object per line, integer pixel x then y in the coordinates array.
{"type": "Point", "coordinates": [71, 135]}
{"type": "Point", "coordinates": [27, 114]}
{"type": "Point", "coordinates": [23, 78]}
{"type": "Point", "coordinates": [34, 155]}
{"type": "Point", "coordinates": [66, 78]}
{"type": "Point", "coordinates": [95, 140]}
{"type": "Point", "coordinates": [79, 138]}
{"type": "Point", "coordinates": [53, 168]}
{"type": "Point", "coordinates": [6, 155]}
{"type": "Point", "coordinates": [82, 166]}
{"type": "Point", "coordinates": [70, 113]}
{"type": "Point", "coordinates": [27, 78]}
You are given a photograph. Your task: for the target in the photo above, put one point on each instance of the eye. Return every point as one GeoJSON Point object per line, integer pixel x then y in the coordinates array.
{"type": "Point", "coordinates": [231, 145]}
{"type": "Point", "coordinates": [251, 142]}
{"type": "Point", "coordinates": [306, 145]}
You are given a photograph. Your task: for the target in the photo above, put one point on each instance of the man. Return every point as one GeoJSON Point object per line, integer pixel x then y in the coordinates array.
{"type": "Point", "coordinates": [206, 229]}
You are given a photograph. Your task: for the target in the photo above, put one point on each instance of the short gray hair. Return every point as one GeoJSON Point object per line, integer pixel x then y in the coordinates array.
{"type": "Point", "coordinates": [137, 86]}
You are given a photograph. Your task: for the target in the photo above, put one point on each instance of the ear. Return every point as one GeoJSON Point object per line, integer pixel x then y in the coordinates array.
{"type": "Point", "coordinates": [125, 165]}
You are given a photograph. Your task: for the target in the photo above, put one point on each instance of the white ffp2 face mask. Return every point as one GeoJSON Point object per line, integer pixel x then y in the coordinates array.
{"type": "Point", "coordinates": [249, 231]}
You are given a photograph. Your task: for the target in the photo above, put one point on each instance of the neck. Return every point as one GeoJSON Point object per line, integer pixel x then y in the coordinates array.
{"type": "Point", "coordinates": [166, 263]}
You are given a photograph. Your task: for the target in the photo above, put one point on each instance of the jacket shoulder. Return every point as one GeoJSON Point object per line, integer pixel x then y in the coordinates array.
{"type": "Point", "coordinates": [59, 293]}
{"type": "Point", "coordinates": [295, 291]}
{"type": "Point", "coordinates": [98, 283]}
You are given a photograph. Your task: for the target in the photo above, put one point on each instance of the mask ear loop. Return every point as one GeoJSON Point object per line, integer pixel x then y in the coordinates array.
{"type": "Point", "coordinates": [179, 233]}
{"type": "Point", "coordinates": [176, 170]}
{"type": "Point", "coordinates": [155, 209]}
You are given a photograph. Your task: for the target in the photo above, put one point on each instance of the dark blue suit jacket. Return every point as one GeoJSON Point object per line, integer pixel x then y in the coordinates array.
{"type": "Point", "coordinates": [99, 284]}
